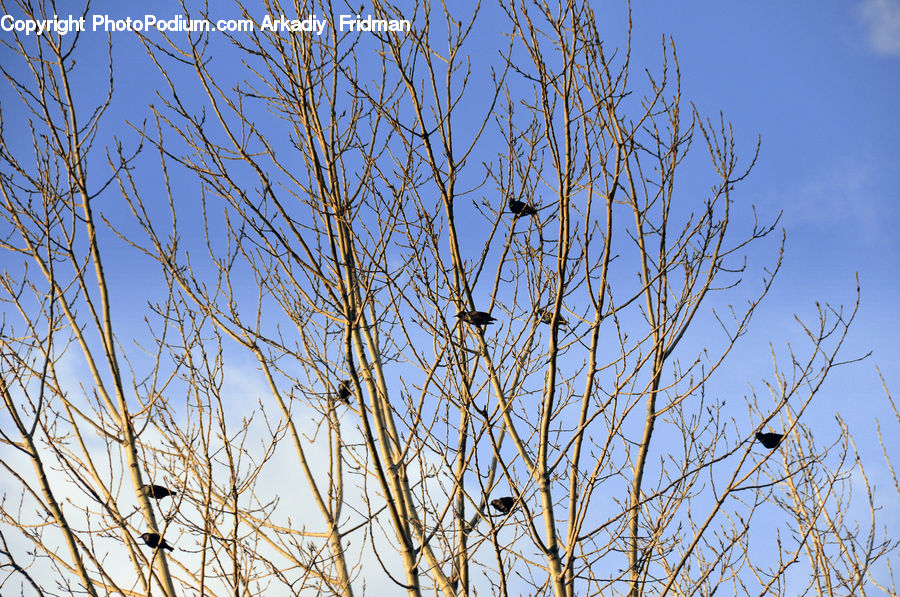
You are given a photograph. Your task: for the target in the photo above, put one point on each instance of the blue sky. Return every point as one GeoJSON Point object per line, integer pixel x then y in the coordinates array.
{"type": "Point", "coordinates": [820, 82]}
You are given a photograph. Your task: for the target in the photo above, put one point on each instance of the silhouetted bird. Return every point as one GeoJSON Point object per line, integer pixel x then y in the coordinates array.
{"type": "Point", "coordinates": [156, 491]}
{"type": "Point", "coordinates": [504, 504]}
{"type": "Point", "coordinates": [769, 440]}
{"type": "Point", "coordinates": [476, 317]}
{"type": "Point", "coordinates": [344, 391]}
{"type": "Point", "coordinates": [520, 208]}
{"type": "Point", "coordinates": [546, 316]}
{"type": "Point", "coordinates": [153, 540]}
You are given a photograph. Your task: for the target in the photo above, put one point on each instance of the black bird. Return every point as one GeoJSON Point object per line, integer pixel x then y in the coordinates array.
{"type": "Point", "coordinates": [546, 316]}
{"type": "Point", "coordinates": [156, 491]}
{"type": "Point", "coordinates": [344, 391]}
{"type": "Point", "coordinates": [504, 504]}
{"type": "Point", "coordinates": [153, 540]}
{"type": "Point", "coordinates": [769, 440]}
{"type": "Point", "coordinates": [520, 208]}
{"type": "Point", "coordinates": [476, 317]}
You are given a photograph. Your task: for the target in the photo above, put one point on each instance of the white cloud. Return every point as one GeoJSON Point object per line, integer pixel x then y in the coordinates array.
{"type": "Point", "coordinates": [842, 195]}
{"type": "Point", "coordinates": [882, 19]}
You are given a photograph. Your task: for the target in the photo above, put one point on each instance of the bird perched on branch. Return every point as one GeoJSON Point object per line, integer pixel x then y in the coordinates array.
{"type": "Point", "coordinates": [344, 391]}
{"type": "Point", "coordinates": [769, 440]}
{"type": "Point", "coordinates": [156, 491]}
{"type": "Point", "coordinates": [520, 208]}
{"type": "Point", "coordinates": [546, 316]}
{"type": "Point", "coordinates": [504, 504]}
{"type": "Point", "coordinates": [475, 317]}
{"type": "Point", "coordinates": [153, 540]}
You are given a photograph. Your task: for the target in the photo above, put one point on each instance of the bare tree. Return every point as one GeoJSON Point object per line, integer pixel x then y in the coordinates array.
{"type": "Point", "coordinates": [467, 305]}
